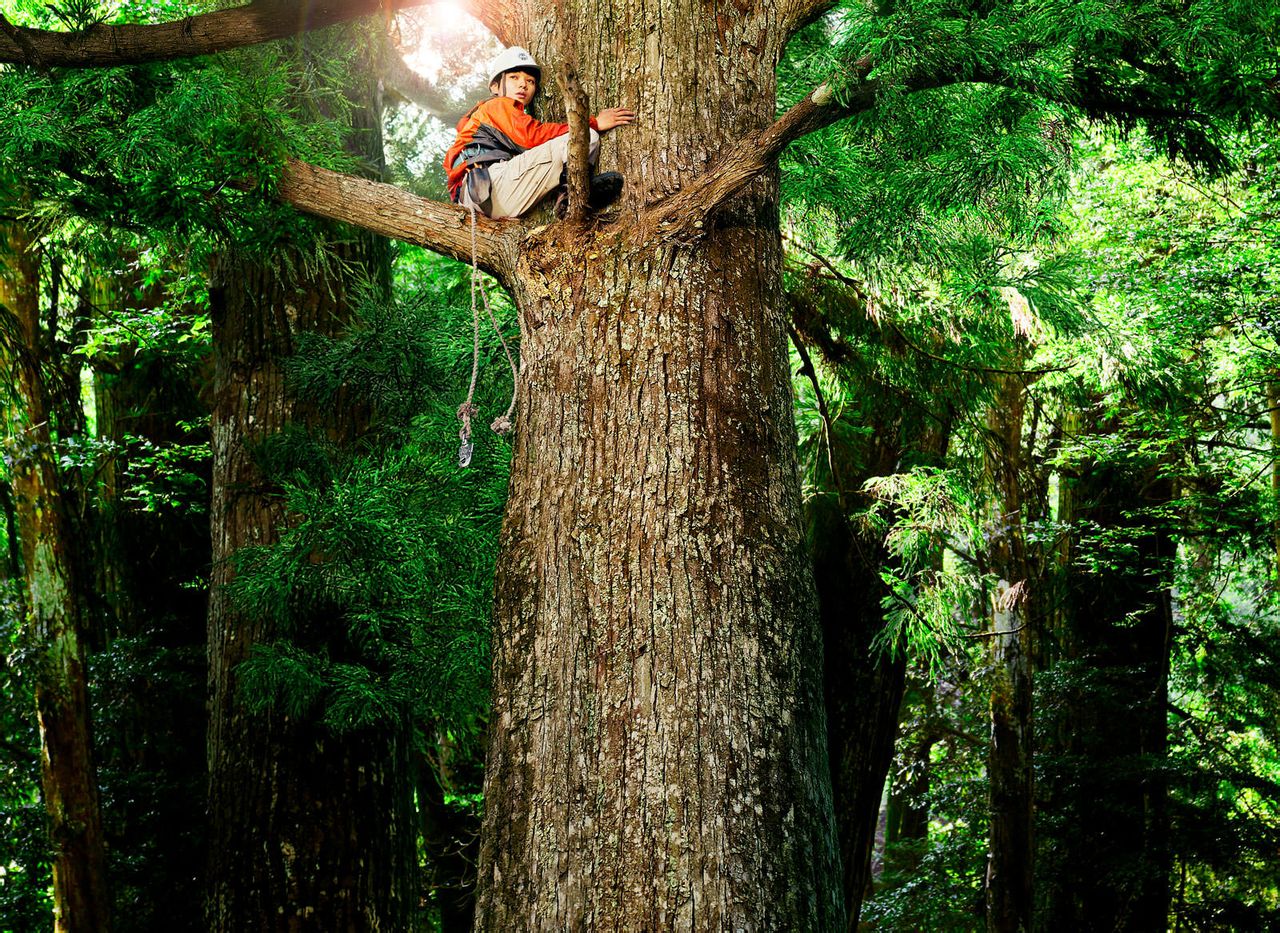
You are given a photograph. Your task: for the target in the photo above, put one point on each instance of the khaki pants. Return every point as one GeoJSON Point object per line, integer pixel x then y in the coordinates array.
{"type": "Point", "coordinates": [521, 182]}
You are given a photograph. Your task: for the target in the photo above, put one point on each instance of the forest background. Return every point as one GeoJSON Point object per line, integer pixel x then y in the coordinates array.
{"type": "Point", "coordinates": [1033, 356]}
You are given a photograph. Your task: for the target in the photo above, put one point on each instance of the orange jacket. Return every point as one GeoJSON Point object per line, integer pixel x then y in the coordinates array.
{"type": "Point", "coordinates": [498, 128]}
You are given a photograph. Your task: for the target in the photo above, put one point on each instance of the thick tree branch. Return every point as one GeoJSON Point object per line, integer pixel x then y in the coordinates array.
{"type": "Point", "coordinates": [688, 208]}
{"type": "Point", "coordinates": [129, 44]}
{"type": "Point", "coordinates": [395, 213]}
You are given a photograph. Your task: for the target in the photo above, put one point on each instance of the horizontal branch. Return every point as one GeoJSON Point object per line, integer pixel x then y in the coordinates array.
{"type": "Point", "coordinates": [395, 213]}
{"type": "Point", "coordinates": [130, 44]}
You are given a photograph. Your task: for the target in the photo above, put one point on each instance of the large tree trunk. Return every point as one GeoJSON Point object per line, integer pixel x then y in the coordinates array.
{"type": "Point", "coordinates": [309, 830]}
{"type": "Point", "coordinates": [57, 631]}
{"type": "Point", "coordinates": [657, 754]}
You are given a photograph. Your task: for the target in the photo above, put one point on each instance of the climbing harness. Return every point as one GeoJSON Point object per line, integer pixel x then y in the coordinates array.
{"type": "Point", "coordinates": [502, 424]}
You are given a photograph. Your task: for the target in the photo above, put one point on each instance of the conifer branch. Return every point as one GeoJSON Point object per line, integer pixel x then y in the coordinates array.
{"type": "Point", "coordinates": [686, 210]}
{"type": "Point", "coordinates": [393, 212]}
{"type": "Point", "coordinates": [217, 31]}
{"type": "Point", "coordinates": [1130, 104]}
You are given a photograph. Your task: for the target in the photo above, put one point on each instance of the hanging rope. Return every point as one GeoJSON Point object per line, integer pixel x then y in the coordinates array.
{"type": "Point", "coordinates": [502, 424]}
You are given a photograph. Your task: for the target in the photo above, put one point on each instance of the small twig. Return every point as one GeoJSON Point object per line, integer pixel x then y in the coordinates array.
{"type": "Point", "coordinates": [1012, 631]}
{"type": "Point", "coordinates": [807, 369]}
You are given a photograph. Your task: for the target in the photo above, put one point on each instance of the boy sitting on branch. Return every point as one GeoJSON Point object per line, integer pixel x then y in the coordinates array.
{"type": "Point", "coordinates": [503, 161]}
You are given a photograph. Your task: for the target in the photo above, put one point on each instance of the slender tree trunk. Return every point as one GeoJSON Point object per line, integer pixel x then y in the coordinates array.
{"type": "Point", "coordinates": [907, 818]}
{"type": "Point", "coordinates": [864, 688]}
{"type": "Point", "coordinates": [1273, 406]}
{"type": "Point", "coordinates": [309, 831]}
{"type": "Point", "coordinates": [56, 622]}
{"type": "Point", "coordinates": [451, 839]}
{"type": "Point", "coordinates": [1011, 857]}
{"type": "Point", "coordinates": [13, 544]}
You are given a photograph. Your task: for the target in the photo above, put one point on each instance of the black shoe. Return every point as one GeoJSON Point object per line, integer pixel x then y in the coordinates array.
{"type": "Point", "coordinates": [605, 189]}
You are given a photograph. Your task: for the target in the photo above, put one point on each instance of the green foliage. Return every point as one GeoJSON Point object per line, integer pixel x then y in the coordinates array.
{"type": "Point", "coordinates": [383, 582]}
{"type": "Point", "coordinates": [935, 880]}
{"type": "Point", "coordinates": [922, 513]}
{"type": "Point", "coordinates": [25, 901]}
{"type": "Point", "coordinates": [939, 887]}
{"type": "Point", "coordinates": [187, 150]}
{"type": "Point", "coordinates": [1191, 74]}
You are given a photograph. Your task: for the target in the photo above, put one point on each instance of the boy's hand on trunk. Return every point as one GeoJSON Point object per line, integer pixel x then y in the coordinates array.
{"type": "Point", "coordinates": [610, 117]}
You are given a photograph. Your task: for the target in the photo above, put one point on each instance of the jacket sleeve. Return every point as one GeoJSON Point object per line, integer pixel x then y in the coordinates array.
{"type": "Point", "coordinates": [524, 130]}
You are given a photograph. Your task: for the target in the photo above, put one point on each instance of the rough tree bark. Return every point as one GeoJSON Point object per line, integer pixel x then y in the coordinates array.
{"type": "Point", "coordinates": [309, 831]}
{"type": "Point", "coordinates": [657, 755]}
{"type": "Point", "coordinates": [57, 635]}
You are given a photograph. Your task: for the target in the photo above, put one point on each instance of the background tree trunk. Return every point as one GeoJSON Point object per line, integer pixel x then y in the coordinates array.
{"type": "Point", "coordinates": [1105, 799]}
{"type": "Point", "coordinates": [309, 830]}
{"type": "Point", "coordinates": [68, 782]}
{"type": "Point", "coordinates": [1009, 765]}
{"type": "Point", "coordinates": [864, 687]}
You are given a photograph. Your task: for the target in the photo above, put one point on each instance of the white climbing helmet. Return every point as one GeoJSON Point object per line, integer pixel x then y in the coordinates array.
{"type": "Point", "coordinates": [510, 60]}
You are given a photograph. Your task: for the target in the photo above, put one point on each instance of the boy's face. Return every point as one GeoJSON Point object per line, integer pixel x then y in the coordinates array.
{"type": "Point", "coordinates": [518, 85]}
